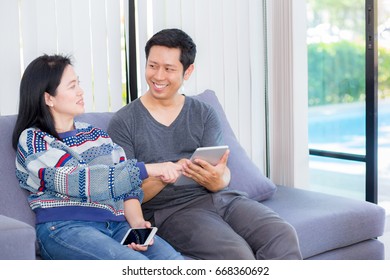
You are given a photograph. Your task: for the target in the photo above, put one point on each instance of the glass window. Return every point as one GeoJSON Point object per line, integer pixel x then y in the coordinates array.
{"type": "Point", "coordinates": [338, 177]}
{"type": "Point", "coordinates": [336, 71]}
{"type": "Point", "coordinates": [336, 75]}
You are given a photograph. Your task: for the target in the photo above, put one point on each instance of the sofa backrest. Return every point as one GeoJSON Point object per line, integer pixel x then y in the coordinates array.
{"type": "Point", "coordinates": [100, 120]}
{"type": "Point", "coordinates": [13, 199]}
{"type": "Point", "coordinates": [246, 177]}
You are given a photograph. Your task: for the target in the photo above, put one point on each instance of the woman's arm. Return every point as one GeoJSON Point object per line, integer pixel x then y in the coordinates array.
{"type": "Point", "coordinates": [45, 165]}
{"type": "Point", "coordinates": [133, 214]}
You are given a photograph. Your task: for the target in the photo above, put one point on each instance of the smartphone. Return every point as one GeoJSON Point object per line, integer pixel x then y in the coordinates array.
{"type": "Point", "coordinates": [142, 236]}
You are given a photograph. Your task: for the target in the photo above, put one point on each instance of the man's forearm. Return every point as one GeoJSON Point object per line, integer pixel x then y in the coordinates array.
{"type": "Point", "coordinates": [151, 187]}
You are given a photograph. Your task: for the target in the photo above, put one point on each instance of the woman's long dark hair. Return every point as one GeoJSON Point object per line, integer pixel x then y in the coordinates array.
{"type": "Point", "coordinates": [42, 75]}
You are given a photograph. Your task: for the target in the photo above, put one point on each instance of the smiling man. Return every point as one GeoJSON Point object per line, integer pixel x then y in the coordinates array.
{"type": "Point", "coordinates": [204, 220]}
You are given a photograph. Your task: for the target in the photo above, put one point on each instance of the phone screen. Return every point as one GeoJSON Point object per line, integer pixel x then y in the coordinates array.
{"type": "Point", "coordinates": [139, 236]}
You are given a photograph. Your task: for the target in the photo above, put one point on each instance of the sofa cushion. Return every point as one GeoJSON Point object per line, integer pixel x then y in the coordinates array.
{"type": "Point", "coordinates": [246, 176]}
{"type": "Point", "coordinates": [17, 240]}
{"type": "Point", "coordinates": [371, 249]}
{"type": "Point", "coordinates": [327, 222]}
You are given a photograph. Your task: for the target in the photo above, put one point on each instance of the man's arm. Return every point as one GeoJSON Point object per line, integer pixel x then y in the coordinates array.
{"type": "Point", "coordinates": [151, 187]}
{"type": "Point", "coordinates": [160, 174]}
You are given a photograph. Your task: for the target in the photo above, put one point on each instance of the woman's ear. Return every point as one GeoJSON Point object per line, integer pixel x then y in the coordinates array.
{"type": "Point", "coordinates": [48, 99]}
{"type": "Point", "coordinates": [188, 72]}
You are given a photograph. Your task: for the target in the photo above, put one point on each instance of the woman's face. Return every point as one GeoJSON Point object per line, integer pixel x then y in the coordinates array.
{"type": "Point", "coordinates": [69, 101]}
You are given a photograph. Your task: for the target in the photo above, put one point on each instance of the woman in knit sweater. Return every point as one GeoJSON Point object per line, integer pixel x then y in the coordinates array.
{"type": "Point", "coordinates": [79, 180]}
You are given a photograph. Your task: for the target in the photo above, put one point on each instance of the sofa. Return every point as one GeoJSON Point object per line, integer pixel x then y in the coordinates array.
{"type": "Point", "coordinates": [328, 226]}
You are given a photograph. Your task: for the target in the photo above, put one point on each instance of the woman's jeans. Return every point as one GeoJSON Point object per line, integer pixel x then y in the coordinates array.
{"type": "Point", "coordinates": [81, 240]}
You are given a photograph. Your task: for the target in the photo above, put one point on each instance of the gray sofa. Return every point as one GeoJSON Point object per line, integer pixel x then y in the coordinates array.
{"type": "Point", "coordinates": [328, 227]}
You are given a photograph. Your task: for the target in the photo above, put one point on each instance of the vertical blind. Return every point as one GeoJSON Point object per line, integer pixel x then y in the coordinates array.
{"type": "Point", "coordinates": [87, 30]}
{"type": "Point", "coordinates": [230, 59]}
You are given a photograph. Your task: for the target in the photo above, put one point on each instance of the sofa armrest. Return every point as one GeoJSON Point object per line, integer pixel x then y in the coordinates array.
{"type": "Point", "coordinates": [17, 240]}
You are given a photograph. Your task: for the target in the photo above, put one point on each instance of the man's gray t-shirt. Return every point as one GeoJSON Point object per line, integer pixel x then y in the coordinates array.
{"type": "Point", "coordinates": [147, 140]}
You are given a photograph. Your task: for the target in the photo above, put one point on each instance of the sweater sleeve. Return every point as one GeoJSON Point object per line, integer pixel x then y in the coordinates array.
{"type": "Point", "coordinates": [45, 164]}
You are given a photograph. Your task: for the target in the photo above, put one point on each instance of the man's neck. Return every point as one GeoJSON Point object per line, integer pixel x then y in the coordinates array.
{"type": "Point", "coordinates": [151, 101]}
{"type": "Point", "coordinates": [164, 111]}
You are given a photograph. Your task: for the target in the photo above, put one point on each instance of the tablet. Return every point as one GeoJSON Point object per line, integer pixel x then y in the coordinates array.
{"type": "Point", "coordinates": [210, 154]}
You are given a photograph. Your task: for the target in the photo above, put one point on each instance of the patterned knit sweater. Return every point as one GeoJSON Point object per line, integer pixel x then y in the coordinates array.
{"type": "Point", "coordinates": [83, 176]}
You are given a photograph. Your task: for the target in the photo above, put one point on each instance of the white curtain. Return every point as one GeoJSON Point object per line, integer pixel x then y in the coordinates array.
{"type": "Point", "coordinates": [287, 65]}
{"type": "Point", "coordinates": [88, 30]}
{"type": "Point", "coordinates": [234, 53]}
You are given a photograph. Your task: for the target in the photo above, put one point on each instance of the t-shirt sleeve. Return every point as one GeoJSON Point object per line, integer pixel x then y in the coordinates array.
{"type": "Point", "coordinates": [212, 134]}
{"type": "Point", "coordinates": [120, 132]}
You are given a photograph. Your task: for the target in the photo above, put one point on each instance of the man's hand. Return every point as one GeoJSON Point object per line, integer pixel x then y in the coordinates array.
{"type": "Point", "coordinates": [213, 178]}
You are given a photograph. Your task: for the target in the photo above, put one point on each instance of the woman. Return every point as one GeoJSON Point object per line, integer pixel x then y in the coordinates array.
{"type": "Point", "coordinates": [79, 180]}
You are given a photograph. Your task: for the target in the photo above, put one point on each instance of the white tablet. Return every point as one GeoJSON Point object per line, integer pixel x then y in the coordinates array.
{"type": "Point", "coordinates": [210, 154]}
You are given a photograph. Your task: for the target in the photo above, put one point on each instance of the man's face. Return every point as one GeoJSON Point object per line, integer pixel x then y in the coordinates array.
{"type": "Point", "coordinates": [164, 72]}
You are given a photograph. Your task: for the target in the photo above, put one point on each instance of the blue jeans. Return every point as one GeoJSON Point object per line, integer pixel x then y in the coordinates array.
{"type": "Point", "coordinates": [83, 240]}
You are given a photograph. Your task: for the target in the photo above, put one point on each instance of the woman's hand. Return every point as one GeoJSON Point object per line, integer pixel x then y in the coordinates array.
{"type": "Point", "coordinates": [168, 172]}
{"type": "Point", "coordinates": [140, 224]}
{"type": "Point", "coordinates": [139, 247]}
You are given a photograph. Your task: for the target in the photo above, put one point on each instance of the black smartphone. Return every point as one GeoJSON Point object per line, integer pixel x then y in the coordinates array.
{"type": "Point", "coordinates": [142, 236]}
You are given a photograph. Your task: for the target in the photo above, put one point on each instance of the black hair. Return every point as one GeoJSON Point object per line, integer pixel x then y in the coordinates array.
{"type": "Point", "coordinates": [174, 38]}
{"type": "Point", "coordinates": [42, 75]}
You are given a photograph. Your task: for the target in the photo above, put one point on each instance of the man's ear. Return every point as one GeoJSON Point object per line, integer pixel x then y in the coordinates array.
{"type": "Point", "coordinates": [48, 99]}
{"type": "Point", "coordinates": [189, 71]}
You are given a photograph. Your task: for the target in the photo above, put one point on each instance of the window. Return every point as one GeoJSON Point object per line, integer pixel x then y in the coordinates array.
{"type": "Point", "coordinates": [339, 88]}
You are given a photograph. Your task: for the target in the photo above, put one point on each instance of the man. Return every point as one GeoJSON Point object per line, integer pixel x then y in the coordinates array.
{"type": "Point", "coordinates": [205, 220]}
